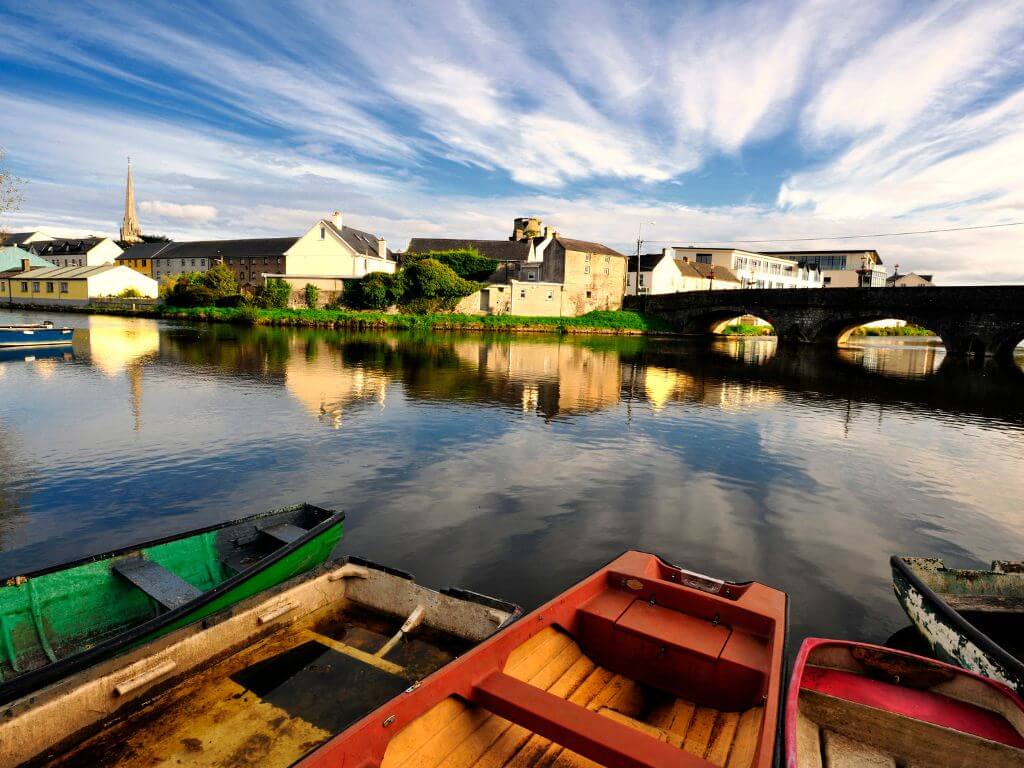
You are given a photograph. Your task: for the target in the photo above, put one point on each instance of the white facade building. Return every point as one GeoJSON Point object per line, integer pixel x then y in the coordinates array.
{"type": "Point", "coordinates": [841, 269]}
{"type": "Point", "coordinates": [755, 270]}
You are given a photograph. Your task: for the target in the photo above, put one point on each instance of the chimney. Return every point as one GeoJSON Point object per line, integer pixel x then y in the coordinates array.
{"type": "Point", "coordinates": [382, 248]}
{"type": "Point", "coordinates": [670, 252]}
{"type": "Point", "coordinates": [25, 265]}
{"type": "Point", "coordinates": [336, 219]}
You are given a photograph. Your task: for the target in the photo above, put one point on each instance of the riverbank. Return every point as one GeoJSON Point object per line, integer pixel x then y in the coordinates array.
{"type": "Point", "coordinates": [620, 322]}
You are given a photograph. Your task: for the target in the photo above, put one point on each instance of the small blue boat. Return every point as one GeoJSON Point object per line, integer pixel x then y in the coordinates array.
{"type": "Point", "coordinates": [37, 335]}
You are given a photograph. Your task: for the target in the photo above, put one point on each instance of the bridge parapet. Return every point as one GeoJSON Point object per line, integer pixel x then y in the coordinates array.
{"type": "Point", "coordinates": [983, 320]}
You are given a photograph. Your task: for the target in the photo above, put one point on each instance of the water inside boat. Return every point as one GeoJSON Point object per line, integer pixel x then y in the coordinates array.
{"type": "Point", "coordinates": [261, 683]}
{"type": "Point", "coordinates": [272, 703]}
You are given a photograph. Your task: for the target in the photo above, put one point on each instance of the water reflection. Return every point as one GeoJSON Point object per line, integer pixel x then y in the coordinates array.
{"type": "Point", "coordinates": [516, 464]}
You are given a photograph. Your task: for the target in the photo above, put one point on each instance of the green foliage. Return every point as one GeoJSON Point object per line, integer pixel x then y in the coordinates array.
{"type": "Point", "coordinates": [273, 294]}
{"type": "Point", "coordinates": [312, 296]}
{"type": "Point", "coordinates": [378, 290]}
{"type": "Point", "coordinates": [903, 330]}
{"type": "Point", "coordinates": [431, 285]}
{"type": "Point", "coordinates": [220, 280]}
{"type": "Point", "coordinates": [464, 262]}
{"type": "Point", "coordinates": [742, 329]}
{"type": "Point", "coordinates": [129, 293]}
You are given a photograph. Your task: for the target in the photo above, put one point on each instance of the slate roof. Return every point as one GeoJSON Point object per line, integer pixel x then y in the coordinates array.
{"type": "Point", "coordinates": [145, 250]}
{"type": "Point", "coordinates": [65, 246]}
{"type": "Point", "coordinates": [17, 238]}
{"type": "Point", "coordinates": [228, 249]}
{"type": "Point", "coordinates": [499, 250]}
{"type": "Point", "coordinates": [648, 261]}
{"type": "Point", "coordinates": [585, 246]}
{"type": "Point", "coordinates": [363, 243]}
{"type": "Point", "coordinates": [704, 271]}
{"type": "Point", "coordinates": [10, 258]}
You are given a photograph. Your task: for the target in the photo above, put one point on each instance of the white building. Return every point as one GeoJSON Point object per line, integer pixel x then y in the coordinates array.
{"type": "Point", "coordinates": [664, 273]}
{"type": "Point", "coordinates": [841, 269]}
{"type": "Point", "coordinates": [754, 270]}
{"type": "Point", "coordinates": [91, 251]}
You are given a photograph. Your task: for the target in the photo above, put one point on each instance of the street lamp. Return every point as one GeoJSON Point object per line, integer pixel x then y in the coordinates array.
{"type": "Point", "coordinates": [639, 244]}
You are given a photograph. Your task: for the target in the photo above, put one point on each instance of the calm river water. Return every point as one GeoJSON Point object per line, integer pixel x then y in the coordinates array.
{"type": "Point", "coordinates": [516, 465]}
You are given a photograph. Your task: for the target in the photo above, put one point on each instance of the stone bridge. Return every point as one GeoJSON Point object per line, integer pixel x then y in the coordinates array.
{"type": "Point", "coordinates": [987, 320]}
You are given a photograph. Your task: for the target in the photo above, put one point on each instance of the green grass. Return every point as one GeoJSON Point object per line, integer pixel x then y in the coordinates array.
{"type": "Point", "coordinates": [742, 329]}
{"type": "Point", "coordinates": [905, 330]}
{"type": "Point", "coordinates": [627, 322]}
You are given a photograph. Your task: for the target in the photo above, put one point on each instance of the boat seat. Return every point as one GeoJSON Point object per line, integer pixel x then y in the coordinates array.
{"type": "Point", "coordinates": [168, 589]}
{"type": "Point", "coordinates": [285, 533]}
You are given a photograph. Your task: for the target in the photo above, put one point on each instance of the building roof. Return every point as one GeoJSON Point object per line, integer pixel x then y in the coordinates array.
{"type": "Point", "coordinates": [12, 256]}
{"type": "Point", "coordinates": [891, 279]}
{"type": "Point", "coordinates": [66, 246]}
{"type": "Point", "coordinates": [499, 250]}
{"type": "Point", "coordinates": [648, 261]}
{"type": "Point", "coordinates": [585, 246]}
{"type": "Point", "coordinates": [363, 243]}
{"type": "Point", "coordinates": [705, 271]}
{"type": "Point", "coordinates": [878, 259]}
{"type": "Point", "coordinates": [18, 238]}
{"type": "Point", "coordinates": [145, 250]}
{"type": "Point", "coordinates": [228, 249]}
{"type": "Point", "coordinates": [68, 273]}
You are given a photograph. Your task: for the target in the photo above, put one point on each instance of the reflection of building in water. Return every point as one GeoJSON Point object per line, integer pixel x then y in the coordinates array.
{"type": "Point", "coordinates": [112, 344]}
{"type": "Point", "coordinates": [665, 385]}
{"type": "Point", "coordinates": [17, 475]}
{"type": "Point", "coordinates": [895, 357]}
{"type": "Point", "coordinates": [552, 377]}
{"type": "Point", "coordinates": [317, 376]}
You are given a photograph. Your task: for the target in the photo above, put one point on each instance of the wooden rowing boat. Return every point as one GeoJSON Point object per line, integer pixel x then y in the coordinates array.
{"type": "Point", "coordinates": [852, 705]}
{"type": "Point", "coordinates": [971, 618]}
{"type": "Point", "coordinates": [259, 683]}
{"type": "Point", "coordinates": [642, 664]}
{"type": "Point", "coordinates": [61, 619]}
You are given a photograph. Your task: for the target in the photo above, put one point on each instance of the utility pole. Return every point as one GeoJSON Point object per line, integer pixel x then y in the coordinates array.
{"type": "Point", "coordinates": [639, 244]}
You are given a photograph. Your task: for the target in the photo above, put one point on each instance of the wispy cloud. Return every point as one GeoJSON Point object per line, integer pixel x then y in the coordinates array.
{"type": "Point", "coordinates": [436, 119]}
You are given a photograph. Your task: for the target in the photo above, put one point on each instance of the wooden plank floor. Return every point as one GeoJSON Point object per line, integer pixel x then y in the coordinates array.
{"type": "Point", "coordinates": [457, 735]}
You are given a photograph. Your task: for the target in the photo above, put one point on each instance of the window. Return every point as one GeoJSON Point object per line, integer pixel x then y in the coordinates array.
{"type": "Point", "coordinates": [551, 295]}
{"type": "Point", "coordinates": [144, 262]}
{"type": "Point", "coordinates": [531, 276]}
{"type": "Point", "coordinates": [641, 278]}
{"type": "Point", "coordinates": [323, 232]}
{"type": "Point", "coordinates": [522, 294]}
{"type": "Point", "coordinates": [63, 287]}
{"type": "Point", "coordinates": [35, 286]}
{"type": "Point", "coordinates": [703, 258]}
{"type": "Point", "coordinates": [183, 262]}
{"type": "Point", "coordinates": [828, 280]}
{"type": "Point", "coordinates": [193, 262]}
{"type": "Point", "coordinates": [606, 271]}
{"type": "Point", "coordinates": [586, 270]}
{"type": "Point", "coordinates": [202, 262]}
{"type": "Point", "coordinates": [607, 259]}
{"type": "Point", "coordinates": [49, 287]}
{"type": "Point", "coordinates": [589, 294]}
{"type": "Point", "coordinates": [266, 260]}
{"type": "Point", "coordinates": [587, 257]}
{"type": "Point", "coordinates": [231, 261]}
{"type": "Point", "coordinates": [24, 287]}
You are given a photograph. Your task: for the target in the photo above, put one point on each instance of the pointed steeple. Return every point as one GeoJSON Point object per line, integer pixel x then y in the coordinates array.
{"type": "Point", "coordinates": [130, 232]}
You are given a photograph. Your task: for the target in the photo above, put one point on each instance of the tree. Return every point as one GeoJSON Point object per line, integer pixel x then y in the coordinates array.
{"type": "Point", "coordinates": [378, 290]}
{"type": "Point", "coordinates": [465, 262]}
{"type": "Point", "coordinates": [312, 296]}
{"type": "Point", "coordinates": [220, 280]}
{"type": "Point", "coordinates": [10, 193]}
{"type": "Point", "coordinates": [273, 294]}
{"type": "Point", "coordinates": [433, 285]}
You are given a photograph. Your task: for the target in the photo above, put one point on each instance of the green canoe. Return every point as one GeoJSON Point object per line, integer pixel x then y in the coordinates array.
{"type": "Point", "coordinates": [62, 619]}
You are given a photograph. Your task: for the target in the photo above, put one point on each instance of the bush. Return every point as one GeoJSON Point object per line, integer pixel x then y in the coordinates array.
{"type": "Point", "coordinates": [129, 293]}
{"type": "Point", "coordinates": [234, 300]}
{"type": "Point", "coordinates": [312, 296]}
{"type": "Point", "coordinates": [220, 280]}
{"type": "Point", "coordinates": [430, 283]}
{"type": "Point", "coordinates": [188, 294]}
{"type": "Point", "coordinates": [378, 290]}
{"type": "Point", "coordinates": [203, 289]}
{"type": "Point", "coordinates": [464, 262]}
{"type": "Point", "coordinates": [273, 294]}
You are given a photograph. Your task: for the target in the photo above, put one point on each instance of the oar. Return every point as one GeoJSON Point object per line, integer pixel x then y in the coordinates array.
{"type": "Point", "coordinates": [414, 620]}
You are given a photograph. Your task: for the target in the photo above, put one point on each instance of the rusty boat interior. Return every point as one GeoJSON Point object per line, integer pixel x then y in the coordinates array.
{"type": "Point", "coordinates": [261, 683]}
{"type": "Point", "coordinates": [642, 664]}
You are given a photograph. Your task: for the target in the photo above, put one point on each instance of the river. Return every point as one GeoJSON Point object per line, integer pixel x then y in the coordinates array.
{"type": "Point", "coordinates": [515, 465]}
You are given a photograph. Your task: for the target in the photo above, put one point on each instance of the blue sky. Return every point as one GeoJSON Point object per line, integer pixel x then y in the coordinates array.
{"type": "Point", "coordinates": [719, 121]}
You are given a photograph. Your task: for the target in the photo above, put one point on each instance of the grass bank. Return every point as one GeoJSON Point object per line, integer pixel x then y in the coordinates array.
{"type": "Point", "coordinates": [742, 329]}
{"type": "Point", "coordinates": [903, 330]}
{"type": "Point", "coordinates": [616, 322]}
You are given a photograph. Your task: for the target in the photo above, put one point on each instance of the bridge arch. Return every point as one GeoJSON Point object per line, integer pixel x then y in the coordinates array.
{"type": "Point", "coordinates": [711, 321]}
{"type": "Point", "coordinates": [1005, 343]}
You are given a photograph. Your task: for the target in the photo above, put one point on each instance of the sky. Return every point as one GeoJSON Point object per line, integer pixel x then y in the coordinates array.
{"type": "Point", "coordinates": [717, 121]}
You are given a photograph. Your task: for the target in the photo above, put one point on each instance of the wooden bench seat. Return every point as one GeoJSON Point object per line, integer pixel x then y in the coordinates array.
{"type": "Point", "coordinates": [169, 590]}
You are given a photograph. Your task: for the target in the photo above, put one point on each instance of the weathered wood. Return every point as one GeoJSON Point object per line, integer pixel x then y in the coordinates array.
{"type": "Point", "coordinates": [843, 752]}
{"type": "Point", "coordinates": [808, 742]}
{"type": "Point", "coordinates": [367, 658]}
{"type": "Point", "coordinates": [285, 533]}
{"type": "Point", "coordinates": [984, 603]}
{"type": "Point", "coordinates": [904, 738]}
{"type": "Point", "coordinates": [168, 589]}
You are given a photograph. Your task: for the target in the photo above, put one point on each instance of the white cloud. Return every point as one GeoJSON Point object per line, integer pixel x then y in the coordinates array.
{"type": "Point", "coordinates": [178, 211]}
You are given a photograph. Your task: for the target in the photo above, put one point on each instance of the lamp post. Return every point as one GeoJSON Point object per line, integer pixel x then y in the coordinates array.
{"type": "Point", "coordinates": [639, 244]}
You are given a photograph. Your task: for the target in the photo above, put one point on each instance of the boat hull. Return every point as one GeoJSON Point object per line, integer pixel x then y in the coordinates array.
{"type": "Point", "coordinates": [858, 704]}
{"type": "Point", "coordinates": [83, 612]}
{"type": "Point", "coordinates": [34, 337]}
{"type": "Point", "coordinates": [950, 636]}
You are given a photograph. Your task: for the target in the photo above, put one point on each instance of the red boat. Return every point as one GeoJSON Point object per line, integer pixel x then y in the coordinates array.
{"type": "Point", "coordinates": [851, 704]}
{"type": "Point", "coordinates": [641, 665]}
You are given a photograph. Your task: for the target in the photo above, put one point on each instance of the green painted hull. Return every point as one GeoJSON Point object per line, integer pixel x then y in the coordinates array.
{"type": "Point", "coordinates": [59, 620]}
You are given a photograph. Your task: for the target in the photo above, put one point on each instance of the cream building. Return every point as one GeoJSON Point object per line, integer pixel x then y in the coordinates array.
{"type": "Point", "coordinates": [662, 273]}
{"type": "Point", "coordinates": [77, 251]}
{"type": "Point", "coordinates": [754, 270]}
{"type": "Point", "coordinates": [841, 269]}
{"type": "Point", "coordinates": [74, 286]}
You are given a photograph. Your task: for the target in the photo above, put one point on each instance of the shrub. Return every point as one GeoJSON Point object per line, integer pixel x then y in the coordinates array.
{"type": "Point", "coordinates": [129, 293]}
{"type": "Point", "coordinates": [249, 314]}
{"type": "Point", "coordinates": [430, 283]}
{"type": "Point", "coordinates": [273, 294]}
{"type": "Point", "coordinates": [464, 262]}
{"type": "Point", "coordinates": [312, 296]}
{"type": "Point", "coordinates": [232, 301]}
{"type": "Point", "coordinates": [378, 290]}
{"type": "Point", "coordinates": [220, 280]}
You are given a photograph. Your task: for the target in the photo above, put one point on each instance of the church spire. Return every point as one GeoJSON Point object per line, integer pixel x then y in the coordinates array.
{"type": "Point", "coordinates": [130, 232]}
